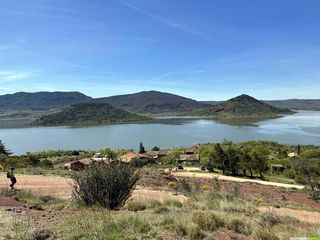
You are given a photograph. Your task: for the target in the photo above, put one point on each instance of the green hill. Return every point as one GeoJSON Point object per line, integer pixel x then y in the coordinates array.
{"type": "Point", "coordinates": [41, 100]}
{"type": "Point", "coordinates": [89, 113]}
{"type": "Point", "coordinates": [153, 102]}
{"type": "Point", "coordinates": [243, 106]}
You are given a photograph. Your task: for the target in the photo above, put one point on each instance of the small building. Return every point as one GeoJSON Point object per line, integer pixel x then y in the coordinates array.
{"type": "Point", "coordinates": [127, 157]}
{"type": "Point", "coordinates": [157, 154]}
{"type": "Point", "coordinates": [293, 155]}
{"type": "Point", "coordinates": [277, 168]}
{"type": "Point", "coordinates": [190, 151]}
{"type": "Point", "coordinates": [80, 164]}
{"type": "Point", "coordinates": [192, 159]}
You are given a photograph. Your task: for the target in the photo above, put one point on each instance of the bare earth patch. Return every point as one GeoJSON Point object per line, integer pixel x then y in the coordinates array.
{"type": "Point", "coordinates": [61, 187]}
{"type": "Point", "coordinates": [302, 215]}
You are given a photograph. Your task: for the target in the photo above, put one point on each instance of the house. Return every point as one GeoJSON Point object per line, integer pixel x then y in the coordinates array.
{"type": "Point", "coordinates": [277, 168]}
{"type": "Point", "coordinates": [189, 151]}
{"type": "Point", "coordinates": [127, 157]}
{"type": "Point", "coordinates": [293, 155]}
{"type": "Point", "coordinates": [80, 164]}
{"type": "Point", "coordinates": [157, 154]}
{"type": "Point", "coordinates": [192, 159]}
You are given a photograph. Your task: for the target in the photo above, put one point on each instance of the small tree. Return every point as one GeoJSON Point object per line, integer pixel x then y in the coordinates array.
{"type": "Point", "coordinates": [3, 150]}
{"type": "Point", "coordinates": [109, 185]}
{"type": "Point", "coordinates": [259, 160]}
{"type": "Point", "coordinates": [155, 148]}
{"type": "Point", "coordinates": [141, 148]}
{"type": "Point", "coordinates": [308, 172]}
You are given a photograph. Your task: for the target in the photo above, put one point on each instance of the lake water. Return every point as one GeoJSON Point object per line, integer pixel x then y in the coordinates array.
{"type": "Point", "coordinates": [300, 128]}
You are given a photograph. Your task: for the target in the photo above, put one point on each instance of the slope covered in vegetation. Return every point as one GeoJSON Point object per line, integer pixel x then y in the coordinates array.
{"type": "Point", "coordinates": [90, 113]}
{"type": "Point", "coordinates": [243, 106]}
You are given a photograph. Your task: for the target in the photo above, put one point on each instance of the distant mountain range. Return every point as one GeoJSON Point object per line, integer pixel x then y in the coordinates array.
{"type": "Point", "coordinates": [294, 104]}
{"type": "Point", "coordinates": [41, 100]}
{"type": "Point", "coordinates": [89, 113]}
{"type": "Point", "coordinates": [152, 103]}
{"type": "Point", "coordinates": [243, 106]}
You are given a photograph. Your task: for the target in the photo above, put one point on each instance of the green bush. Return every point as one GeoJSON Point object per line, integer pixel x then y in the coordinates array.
{"type": "Point", "coordinates": [208, 221]}
{"type": "Point", "coordinates": [271, 219]}
{"type": "Point", "coordinates": [161, 210]}
{"type": "Point", "coordinates": [290, 173]}
{"type": "Point", "coordinates": [195, 233]}
{"type": "Point", "coordinates": [139, 163]}
{"type": "Point", "coordinates": [108, 185]}
{"type": "Point", "coordinates": [265, 234]}
{"type": "Point", "coordinates": [239, 226]}
{"type": "Point", "coordinates": [173, 203]}
{"type": "Point", "coordinates": [46, 163]}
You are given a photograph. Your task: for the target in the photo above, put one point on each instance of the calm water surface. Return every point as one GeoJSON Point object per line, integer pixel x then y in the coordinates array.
{"type": "Point", "coordinates": [300, 128]}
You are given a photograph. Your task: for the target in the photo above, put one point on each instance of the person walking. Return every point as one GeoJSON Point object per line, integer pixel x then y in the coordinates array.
{"type": "Point", "coordinates": [12, 177]}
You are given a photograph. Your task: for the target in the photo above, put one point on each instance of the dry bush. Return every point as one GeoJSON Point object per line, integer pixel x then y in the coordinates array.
{"type": "Point", "coordinates": [108, 185]}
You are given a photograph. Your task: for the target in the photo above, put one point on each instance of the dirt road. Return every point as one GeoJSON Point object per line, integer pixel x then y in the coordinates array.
{"type": "Point", "coordinates": [61, 187]}
{"type": "Point", "coordinates": [234, 179]}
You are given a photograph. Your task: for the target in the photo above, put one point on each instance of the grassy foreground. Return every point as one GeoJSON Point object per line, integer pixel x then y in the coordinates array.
{"type": "Point", "coordinates": [207, 214]}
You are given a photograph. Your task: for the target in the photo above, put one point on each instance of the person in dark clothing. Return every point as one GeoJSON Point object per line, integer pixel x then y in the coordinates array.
{"type": "Point", "coordinates": [12, 178]}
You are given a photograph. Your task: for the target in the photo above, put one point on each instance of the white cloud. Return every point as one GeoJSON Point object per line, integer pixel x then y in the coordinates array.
{"type": "Point", "coordinates": [163, 20]}
{"type": "Point", "coordinates": [8, 76]}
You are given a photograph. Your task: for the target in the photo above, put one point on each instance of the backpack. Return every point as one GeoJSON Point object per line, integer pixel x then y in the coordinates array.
{"type": "Point", "coordinates": [8, 175]}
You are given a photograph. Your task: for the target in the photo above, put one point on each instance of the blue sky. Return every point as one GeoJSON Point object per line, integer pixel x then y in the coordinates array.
{"type": "Point", "coordinates": [206, 50]}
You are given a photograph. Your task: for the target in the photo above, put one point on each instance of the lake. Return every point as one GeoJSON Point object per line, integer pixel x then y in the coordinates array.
{"type": "Point", "coordinates": [300, 128]}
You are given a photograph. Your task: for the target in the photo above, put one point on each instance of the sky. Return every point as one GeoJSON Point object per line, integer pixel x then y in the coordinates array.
{"type": "Point", "coordinates": [202, 49]}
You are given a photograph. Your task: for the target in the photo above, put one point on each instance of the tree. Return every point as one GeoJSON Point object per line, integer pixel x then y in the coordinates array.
{"type": "Point", "coordinates": [246, 162]}
{"type": "Point", "coordinates": [308, 172]}
{"type": "Point", "coordinates": [298, 149]}
{"type": "Point", "coordinates": [233, 163]}
{"type": "Point", "coordinates": [155, 148]}
{"type": "Point", "coordinates": [33, 160]}
{"type": "Point", "coordinates": [259, 160]}
{"type": "Point", "coordinates": [218, 158]}
{"type": "Point", "coordinates": [4, 150]}
{"type": "Point", "coordinates": [141, 148]}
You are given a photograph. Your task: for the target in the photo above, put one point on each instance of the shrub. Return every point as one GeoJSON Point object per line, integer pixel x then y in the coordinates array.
{"type": "Point", "coordinates": [208, 221]}
{"type": "Point", "coordinates": [180, 229]}
{"type": "Point", "coordinates": [139, 163]}
{"type": "Point", "coordinates": [160, 210]}
{"type": "Point", "coordinates": [290, 173]}
{"type": "Point", "coordinates": [194, 232]}
{"type": "Point", "coordinates": [136, 206]}
{"type": "Point", "coordinates": [173, 203]}
{"type": "Point", "coordinates": [184, 187]}
{"type": "Point", "coordinates": [265, 234]}
{"type": "Point", "coordinates": [108, 185]}
{"type": "Point", "coordinates": [270, 218]}
{"type": "Point", "coordinates": [239, 226]}
{"type": "Point", "coordinates": [172, 184]}
{"type": "Point", "coordinates": [40, 234]}
{"type": "Point", "coordinates": [205, 187]}
{"type": "Point", "coordinates": [46, 163]}
{"type": "Point", "coordinates": [153, 203]}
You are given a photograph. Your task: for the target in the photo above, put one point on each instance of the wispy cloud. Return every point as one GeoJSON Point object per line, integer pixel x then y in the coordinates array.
{"type": "Point", "coordinates": [163, 20]}
{"type": "Point", "coordinates": [8, 76]}
{"type": "Point", "coordinates": [168, 74]}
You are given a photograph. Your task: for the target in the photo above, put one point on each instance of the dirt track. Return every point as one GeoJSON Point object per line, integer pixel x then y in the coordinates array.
{"type": "Point", "coordinates": [234, 179]}
{"type": "Point", "coordinates": [61, 187]}
{"type": "Point", "coordinates": [302, 215]}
